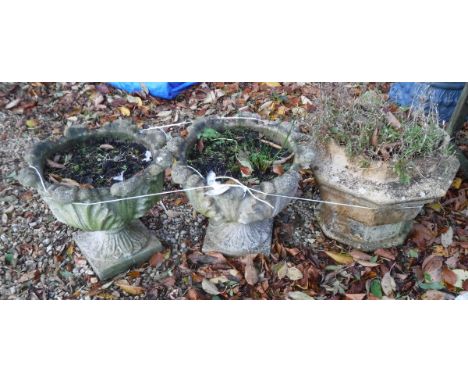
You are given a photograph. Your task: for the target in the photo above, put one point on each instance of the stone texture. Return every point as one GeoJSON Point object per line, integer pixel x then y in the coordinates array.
{"type": "Point", "coordinates": [239, 224]}
{"type": "Point", "coordinates": [113, 252]}
{"type": "Point", "coordinates": [395, 205]}
{"type": "Point", "coordinates": [113, 241]}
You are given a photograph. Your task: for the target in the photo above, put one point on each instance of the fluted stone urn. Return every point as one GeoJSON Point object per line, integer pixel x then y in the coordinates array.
{"type": "Point", "coordinates": [392, 206]}
{"type": "Point", "coordinates": [239, 224]}
{"type": "Point", "coordinates": [113, 239]}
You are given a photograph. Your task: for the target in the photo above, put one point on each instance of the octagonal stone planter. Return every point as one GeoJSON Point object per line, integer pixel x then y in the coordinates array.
{"type": "Point", "coordinates": [393, 205]}
{"type": "Point", "coordinates": [238, 223]}
{"type": "Point", "coordinates": [113, 238]}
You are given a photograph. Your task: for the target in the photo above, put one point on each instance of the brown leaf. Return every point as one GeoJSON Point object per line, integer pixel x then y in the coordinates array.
{"type": "Point", "coordinates": [375, 138]}
{"type": "Point", "coordinates": [436, 295]}
{"type": "Point", "coordinates": [134, 274]}
{"type": "Point", "coordinates": [367, 263]}
{"type": "Point", "coordinates": [53, 164]}
{"type": "Point", "coordinates": [393, 121]}
{"type": "Point", "coordinates": [246, 171]}
{"type": "Point", "coordinates": [156, 259]}
{"type": "Point", "coordinates": [200, 145]}
{"type": "Point", "coordinates": [355, 296]}
{"type": "Point", "coordinates": [250, 272]}
{"type": "Point", "coordinates": [26, 196]}
{"type": "Point", "coordinates": [130, 289]}
{"type": "Point", "coordinates": [278, 169]}
{"type": "Point", "coordinates": [70, 182]}
{"type": "Point", "coordinates": [432, 265]}
{"type": "Point", "coordinates": [384, 253]}
{"type": "Point", "coordinates": [421, 235]}
{"type": "Point", "coordinates": [209, 258]}
{"type": "Point", "coordinates": [54, 178]}
{"type": "Point", "coordinates": [449, 276]}
{"type": "Point", "coordinates": [192, 294]}
{"type": "Point", "coordinates": [359, 255]}
{"type": "Point", "coordinates": [292, 251]}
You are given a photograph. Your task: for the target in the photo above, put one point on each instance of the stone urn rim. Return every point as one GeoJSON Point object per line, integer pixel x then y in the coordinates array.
{"type": "Point", "coordinates": [379, 174]}
{"type": "Point", "coordinates": [301, 158]}
{"type": "Point", "coordinates": [124, 129]}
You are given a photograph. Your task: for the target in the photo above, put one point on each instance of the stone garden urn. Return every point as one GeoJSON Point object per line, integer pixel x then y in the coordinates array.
{"type": "Point", "coordinates": [113, 239]}
{"type": "Point", "coordinates": [240, 224]}
{"type": "Point", "coordinates": [391, 205]}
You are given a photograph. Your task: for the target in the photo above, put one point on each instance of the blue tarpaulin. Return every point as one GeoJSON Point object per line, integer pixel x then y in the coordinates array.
{"type": "Point", "coordinates": [443, 95]}
{"type": "Point", "coordinates": [166, 90]}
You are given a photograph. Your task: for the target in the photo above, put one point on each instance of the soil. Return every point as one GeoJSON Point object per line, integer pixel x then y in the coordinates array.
{"type": "Point", "coordinates": [97, 162]}
{"type": "Point", "coordinates": [221, 155]}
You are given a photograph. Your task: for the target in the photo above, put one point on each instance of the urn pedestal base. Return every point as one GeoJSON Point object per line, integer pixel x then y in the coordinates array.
{"type": "Point", "coordinates": [359, 235]}
{"type": "Point", "coordinates": [113, 252]}
{"type": "Point", "coordinates": [237, 239]}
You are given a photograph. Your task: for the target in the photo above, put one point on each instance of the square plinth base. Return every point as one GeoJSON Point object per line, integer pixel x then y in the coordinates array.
{"type": "Point", "coordinates": [116, 259]}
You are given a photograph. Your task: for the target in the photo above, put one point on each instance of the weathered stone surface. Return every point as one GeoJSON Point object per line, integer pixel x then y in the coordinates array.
{"type": "Point", "coordinates": [237, 239]}
{"type": "Point", "coordinates": [113, 252]}
{"type": "Point", "coordinates": [394, 205]}
{"type": "Point", "coordinates": [113, 240]}
{"type": "Point", "coordinates": [239, 223]}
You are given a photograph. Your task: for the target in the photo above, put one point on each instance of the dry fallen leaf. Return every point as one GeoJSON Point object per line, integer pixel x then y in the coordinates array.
{"type": "Point", "coordinates": [359, 255]}
{"type": "Point", "coordinates": [272, 84]}
{"type": "Point", "coordinates": [449, 276]}
{"type": "Point", "coordinates": [298, 295]}
{"type": "Point", "coordinates": [388, 284]}
{"type": "Point", "coordinates": [436, 295]}
{"type": "Point", "coordinates": [432, 265]}
{"type": "Point", "coordinates": [156, 259]}
{"type": "Point", "coordinates": [130, 289]}
{"type": "Point", "coordinates": [106, 146]}
{"type": "Point", "coordinates": [457, 182]}
{"type": "Point", "coordinates": [384, 253]}
{"type": "Point", "coordinates": [340, 258]}
{"type": "Point", "coordinates": [250, 273]}
{"type": "Point", "coordinates": [446, 238]}
{"type": "Point", "coordinates": [69, 182]}
{"type": "Point", "coordinates": [278, 169]}
{"type": "Point", "coordinates": [367, 263]}
{"type": "Point", "coordinates": [31, 123]}
{"type": "Point", "coordinates": [209, 287]}
{"type": "Point", "coordinates": [125, 111]}
{"type": "Point", "coordinates": [294, 274]}
{"type": "Point", "coordinates": [12, 104]}
{"type": "Point", "coordinates": [282, 271]}
{"type": "Point", "coordinates": [355, 296]}
{"type": "Point", "coordinates": [462, 275]}
{"type": "Point", "coordinates": [53, 164]}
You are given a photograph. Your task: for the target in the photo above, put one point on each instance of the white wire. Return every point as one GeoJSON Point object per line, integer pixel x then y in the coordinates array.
{"type": "Point", "coordinates": [40, 178]}
{"type": "Point", "coordinates": [238, 185]}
